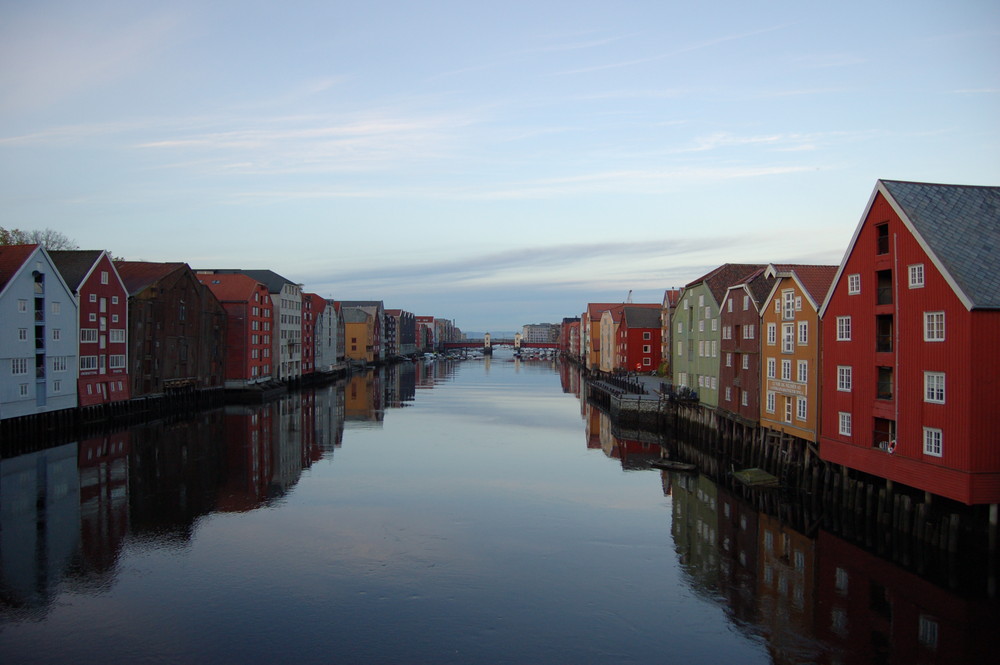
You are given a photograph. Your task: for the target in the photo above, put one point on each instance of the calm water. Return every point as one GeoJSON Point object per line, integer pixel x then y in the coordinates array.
{"type": "Point", "coordinates": [455, 513]}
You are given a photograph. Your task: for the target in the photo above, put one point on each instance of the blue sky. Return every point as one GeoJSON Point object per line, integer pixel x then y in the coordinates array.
{"type": "Point", "coordinates": [494, 163]}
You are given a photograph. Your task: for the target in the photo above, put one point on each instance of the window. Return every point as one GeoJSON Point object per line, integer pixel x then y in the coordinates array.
{"type": "Point", "coordinates": [788, 409]}
{"type": "Point", "coordinates": [788, 305]}
{"type": "Point", "coordinates": [646, 348]}
{"type": "Point", "coordinates": [882, 238]}
{"type": "Point", "coordinates": [845, 424]}
{"type": "Point", "coordinates": [772, 365]}
{"type": "Point", "coordinates": [843, 328]}
{"type": "Point", "coordinates": [729, 305]}
{"type": "Point", "coordinates": [772, 334]}
{"type": "Point", "coordinates": [933, 326]}
{"type": "Point", "coordinates": [56, 334]}
{"type": "Point", "coordinates": [917, 276]}
{"type": "Point", "coordinates": [88, 334]}
{"type": "Point", "coordinates": [853, 284]}
{"type": "Point", "coordinates": [114, 300]}
{"type": "Point", "coordinates": [745, 398]}
{"type": "Point", "coordinates": [800, 408]}
{"type": "Point", "coordinates": [680, 327]}
{"type": "Point", "coordinates": [844, 378]}
{"type": "Point", "coordinates": [787, 337]}
{"type": "Point", "coordinates": [748, 332]}
{"type": "Point", "coordinates": [22, 390]}
{"type": "Point", "coordinates": [647, 335]}
{"type": "Point", "coordinates": [56, 308]}
{"type": "Point", "coordinates": [57, 386]}
{"type": "Point", "coordinates": [927, 632]}
{"type": "Point", "coordinates": [680, 348]}
{"type": "Point", "coordinates": [786, 370]}
{"type": "Point", "coordinates": [93, 297]}
{"type": "Point", "coordinates": [715, 325]}
{"type": "Point", "coordinates": [934, 387]}
{"type": "Point", "coordinates": [92, 317]}
{"type": "Point", "coordinates": [104, 277]}
{"type": "Point", "coordinates": [22, 306]}
{"type": "Point", "coordinates": [117, 335]}
{"type": "Point", "coordinates": [729, 394]}
{"type": "Point", "coordinates": [701, 326]}
{"type": "Point", "coordinates": [116, 361]}
{"type": "Point", "coordinates": [746, 361]}
{"type": "Point", "coordinates": [701, 348]}
{"type": "Point", "coordinates": [88, 362]}
{"type": "Point", "coordinates": [802, 371]}
{"type": "Point", "coordinates": [22, 334]}
{"type": "Point", "coordinates": [18, 366]}
{"type": "Point", "coordinates": [803, 333]}
{"type": "Point", "coordinates": [770, 402]}
{"type": "Point", "coordinates": [932, 441]}
{"type": "Point", "coordinates": [746, 303]}
{"type": "Point", "coordinates": [59, 364]}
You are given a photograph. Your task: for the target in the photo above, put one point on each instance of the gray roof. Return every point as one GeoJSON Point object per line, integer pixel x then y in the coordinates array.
{"type": "Point", "coordinates": [355, 315]}
{"type": "Point", "coordinates": [74, 264]}
{"type": "Point", "coordinates": [642, 317]}
{"type": "Point", "coordinates": [960, 225]}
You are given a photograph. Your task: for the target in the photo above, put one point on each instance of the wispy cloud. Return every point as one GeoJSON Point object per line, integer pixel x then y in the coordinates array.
{"type": "Point", "coordinates": [674, 52]}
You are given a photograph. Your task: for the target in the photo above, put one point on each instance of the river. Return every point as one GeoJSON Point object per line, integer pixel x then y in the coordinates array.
{"type": "Point", "coordinates": [450, 512]}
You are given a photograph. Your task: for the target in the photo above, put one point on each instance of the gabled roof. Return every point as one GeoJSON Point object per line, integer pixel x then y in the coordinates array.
{"type": "Point", "coordinates": [139, 275]}
{"type": "Point", "coordinates": [814, 280]}
{"type": "Point", "coordinates": [959, 228]}
{"type": "Point", "coordinates": [596, 309]}
{"type": "Point", "coordinates": [75, 265]}
{"type": "Point", "coordinates": [230, 287]}
{"type": "Point", "coordinates": [641, 317]}
{"type": "Point", "coordinates": [12, 257]}
{"type": "Point", "coordinates": [719, 280]}
{"type": "Point", "coordinates": [355, 315]}
{"type": "Point", "coordinates": [671, 297]}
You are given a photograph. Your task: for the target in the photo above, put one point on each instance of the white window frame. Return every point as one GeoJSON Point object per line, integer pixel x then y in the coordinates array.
{"type": "Point", "coordinates": [88, 335]}
{"type": "Point", "coordinates": [772, 334]}
{"type": "Point", "coordinates": [786, 369]}
{"type": "Point", "coordinates": [88, 363]}
{"type": "Point", "coordinates": [18, 366]}
{"type": "Point", "coordinates": [746, 361]}
{"type": "Point", "coordinates": [749, 331]}
{"type": "Point", "coordinates": [916, 272]}
{"type": "Point", "coordinates": [787, 337]}
{"type": "Point", "coordinates": [770, 401]}
{"type": "Point", "coordinates": [934, 387]}
{"type": "Point", "coordinates": [803, 333]}
{"type": "Point", "coordinates": [933, 442]}
{"type": "Point", "coordinates": [934, 326]}
{"type": "Point", "coordinates": [772, 368]}
{"type": "Point", "coordinates": [843, 328]}
{"type": "Point", "coordinates": [844, 423]}
{"type": "Point", "coordinates": [854, 284]}
{"type": "Point", "coordinates": [845, 378]}
{"type": "Point", "coordinates": [802, 371]}
{"type": "Point", "coordinates": [801, 408]}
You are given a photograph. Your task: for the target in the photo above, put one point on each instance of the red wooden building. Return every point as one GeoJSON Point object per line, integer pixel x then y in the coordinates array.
{"type": "Point", "coordinates": [911, 374]}
{"type": "Point", "coordinates": [739, 371]}
{"type": "Point", "coordinates": [250, 320]}
{"type": "Point", "coordinates": [639, 338]}
{"type": "Point", "coordinates": [103, 317]}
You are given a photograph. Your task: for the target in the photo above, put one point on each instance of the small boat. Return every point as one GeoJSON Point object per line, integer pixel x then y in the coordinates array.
{"type": "Point", "coordinates": [672, 465]}
{"type": "Point", "coordinates": [755, 478]}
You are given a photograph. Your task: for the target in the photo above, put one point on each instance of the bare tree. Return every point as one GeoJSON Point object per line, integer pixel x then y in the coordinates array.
{"type": "Point", "coordinates": [50, 238]}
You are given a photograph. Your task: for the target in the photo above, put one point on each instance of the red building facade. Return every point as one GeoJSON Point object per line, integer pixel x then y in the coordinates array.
{"type": "Point", "coordinates": [639, 338]}
{"type": "Point", "coordinates": [103, 317]}
{"type": "Point", "coordinates": [911, 376]}
{"type": "Point", "coordinates": [250, 320]}
{"type": "Point", "coordinates": [739, 371]}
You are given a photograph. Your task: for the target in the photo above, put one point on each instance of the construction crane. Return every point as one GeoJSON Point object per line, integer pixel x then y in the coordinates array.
{"type": "Point", "coordinates": [628, 298]}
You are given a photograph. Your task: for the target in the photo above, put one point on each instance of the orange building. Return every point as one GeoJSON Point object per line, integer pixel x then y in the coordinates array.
{"type": "Point", "coordinates": [791, 347]}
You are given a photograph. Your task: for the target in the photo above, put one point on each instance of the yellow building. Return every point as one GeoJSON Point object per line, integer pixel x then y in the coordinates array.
{"type": "Point", "coordinates": [790, 349]}
{"type": "Point", "coordinates": [359, 335]}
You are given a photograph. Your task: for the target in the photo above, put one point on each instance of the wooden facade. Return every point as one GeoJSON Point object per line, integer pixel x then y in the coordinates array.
{"type": "Point", "coordinates": [250, 322]}
{"type": "Point", "coordinates": [910, 328]}
{"type": "Point", "coordinates": [740, 363]}
{"type": "Point", "coordinates": [177, 329]}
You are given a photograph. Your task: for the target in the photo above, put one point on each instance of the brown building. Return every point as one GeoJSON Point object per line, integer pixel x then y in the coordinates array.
{"type": "Point", "coordinates": [177, 329]}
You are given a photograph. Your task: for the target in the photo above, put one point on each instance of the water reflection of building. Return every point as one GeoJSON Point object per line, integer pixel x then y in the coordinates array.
{"type": "Point", "coordinates": [249, 431]}
{"type": "Point", "coordinates": [329, 417]}
{"type": "Point", "coordinates": [363, 400]}
{"type": "Point", "coordinates": [786, 591]}
{"type": "Point", "coordinates": [400, 385]}
{"type": "Point", "coordinates": [738, 555]}
{"type": "Point", "coordinates": [695, 528]}
{"type": "Point", "coordinates": [39, 525]}
{"type": "Point", "coordinates": [871, 610]}
{"type": "Point", "coordinates": [104, 516]}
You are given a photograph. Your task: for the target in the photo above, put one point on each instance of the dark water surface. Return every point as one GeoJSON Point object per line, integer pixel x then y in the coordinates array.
{"type": "Point", "coordinates": [450, 513]}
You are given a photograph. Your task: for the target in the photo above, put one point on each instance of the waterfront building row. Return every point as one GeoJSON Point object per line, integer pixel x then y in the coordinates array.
{"type": "Point", "coordinates": [78, 329]}
{"type": "Point", "coordinates": [885, 363]}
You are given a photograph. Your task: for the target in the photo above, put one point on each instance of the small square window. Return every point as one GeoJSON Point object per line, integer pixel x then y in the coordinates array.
{"type": "Point", "coordinates": [932, 441]}
{"type": "Point", "coordinates": [916, 276]}
{"type": "Point", "coordinates": [845, 424]}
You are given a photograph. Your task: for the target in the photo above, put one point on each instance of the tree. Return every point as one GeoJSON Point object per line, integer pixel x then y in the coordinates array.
{"type": "Point", "coordinates": [50, 238]}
